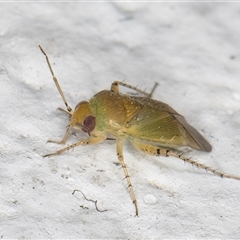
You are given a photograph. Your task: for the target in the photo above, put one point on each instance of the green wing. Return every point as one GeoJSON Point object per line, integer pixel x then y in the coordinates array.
{"type": "Point", "coordinates": [156, 122]}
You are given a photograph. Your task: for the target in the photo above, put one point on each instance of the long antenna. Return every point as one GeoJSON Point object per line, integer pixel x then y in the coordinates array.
{"type": "Point", "coordinates": [56, 83]}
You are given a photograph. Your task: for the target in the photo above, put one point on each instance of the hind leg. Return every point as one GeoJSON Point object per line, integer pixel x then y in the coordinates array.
{"type": "Point", "coordinates": [157, 151]}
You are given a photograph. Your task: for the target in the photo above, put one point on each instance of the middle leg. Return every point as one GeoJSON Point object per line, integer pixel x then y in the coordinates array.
{"type": "Point", "coordinates": [130, 187]}
{"type": "Point", "coordinates": [115, 88]}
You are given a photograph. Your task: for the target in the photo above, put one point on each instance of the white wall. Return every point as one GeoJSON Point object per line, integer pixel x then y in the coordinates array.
{"type": "Point", "coordinates": [191, 49]}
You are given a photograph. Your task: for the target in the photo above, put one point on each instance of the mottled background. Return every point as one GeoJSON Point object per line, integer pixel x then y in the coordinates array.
{"type": "Point", "coordinates": [191, 49]}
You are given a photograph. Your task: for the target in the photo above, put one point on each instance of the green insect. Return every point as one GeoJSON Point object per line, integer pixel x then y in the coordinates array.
{"type": "Point", "coordinates": [150, 125]}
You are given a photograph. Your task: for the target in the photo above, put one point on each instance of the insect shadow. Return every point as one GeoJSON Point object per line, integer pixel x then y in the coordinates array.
{"type": "Point", "coordinates": [150, 125]}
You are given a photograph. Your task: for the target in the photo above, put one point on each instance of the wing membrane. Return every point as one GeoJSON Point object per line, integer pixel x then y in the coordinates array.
{"type": "Point", "coordinates": [156, 122]}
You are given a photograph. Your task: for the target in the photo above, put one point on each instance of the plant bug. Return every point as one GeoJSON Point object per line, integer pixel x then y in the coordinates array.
{"type": "Point", "coordinates": [150, 125]}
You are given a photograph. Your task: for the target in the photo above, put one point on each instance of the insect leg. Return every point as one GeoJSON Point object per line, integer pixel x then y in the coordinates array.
{"type": "Point", "coordinates": [115, 88]}
{"type": "Point", "coordinates": [56, 83]}
{"type": "Point", "coordinates": [88, 141]}
{"type": "Point", "coordinates": [153, 89]}
{"type": "Point", "coordinates": [154, 150]}
{"type": "Point", "coordinates": [63, 141]}
{"type": "Point", "coordinates": [130, 187]}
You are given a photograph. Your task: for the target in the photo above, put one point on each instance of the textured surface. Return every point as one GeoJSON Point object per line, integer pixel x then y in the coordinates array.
{"type": "Point", "coordinates": [192, 50]}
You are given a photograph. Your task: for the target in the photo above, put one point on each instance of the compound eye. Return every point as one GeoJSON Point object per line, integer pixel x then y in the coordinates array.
{"type": "Point", "coordinates": [89, 123]}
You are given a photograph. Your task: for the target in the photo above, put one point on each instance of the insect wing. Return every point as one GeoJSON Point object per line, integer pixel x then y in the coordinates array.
{"type": "Point", "coordinates": [159, 123]}
{"type": "Point", "coordinates": [193, 137]}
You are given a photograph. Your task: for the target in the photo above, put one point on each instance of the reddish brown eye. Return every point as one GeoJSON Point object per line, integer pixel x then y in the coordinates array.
{"type": "Point", "coordinates": [89, 123]}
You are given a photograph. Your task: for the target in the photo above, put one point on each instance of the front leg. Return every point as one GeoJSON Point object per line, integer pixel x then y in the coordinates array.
{"type": "Point", "coordinates": [91, 140]}
{"type": "Point", "coordinates": [63, 141]}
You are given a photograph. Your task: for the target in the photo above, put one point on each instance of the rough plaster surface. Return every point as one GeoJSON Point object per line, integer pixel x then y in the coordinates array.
{"type": "Point", "coordinates": [191, 49]}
